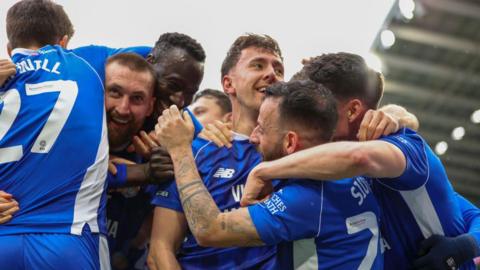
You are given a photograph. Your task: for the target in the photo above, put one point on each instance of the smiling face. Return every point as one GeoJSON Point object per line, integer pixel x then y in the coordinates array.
{"type": "Point", "coordinates": [182, 75]}
{"type": "Point", "coordinates": [128, 101]}
{"type": "Point", "coordinates": [255, 70]}
{"type": "Point", "coordinates": [268, 135]}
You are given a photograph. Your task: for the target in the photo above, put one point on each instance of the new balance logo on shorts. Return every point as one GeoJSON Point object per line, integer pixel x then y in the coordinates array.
{"type": "Point", "coordinates": [224, 173]}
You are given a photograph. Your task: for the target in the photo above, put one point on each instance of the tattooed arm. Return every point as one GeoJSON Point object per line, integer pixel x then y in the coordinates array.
{"type": "Point", "coordinates": [209, 226]}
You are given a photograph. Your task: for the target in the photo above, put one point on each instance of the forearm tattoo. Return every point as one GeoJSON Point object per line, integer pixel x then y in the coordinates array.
{"type": "Point", "coordinates": [201, 210]}
{"type": "Point", "coordinates": [198, 205]}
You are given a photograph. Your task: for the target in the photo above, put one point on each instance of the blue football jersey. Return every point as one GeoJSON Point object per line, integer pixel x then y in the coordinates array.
{"type": "Point", "coordinates": [342, 216]}
{"type": "Point", "coordinates": [127, 209]}
{"type": "Point", "coordinates": [53, 142]}
{"type": "Point", "coordinates": [471, 216]}
{"type": "Point", "coordinates": [417, 204]}
{"type": "Point", "coordinates": [224, 172]}
{"type": "Point", "coordinates": [97, 56]}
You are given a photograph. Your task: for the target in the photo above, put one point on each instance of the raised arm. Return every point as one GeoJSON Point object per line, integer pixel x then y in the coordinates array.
{"type": "Point", "coordinates": [331, 161]}
{"type": "Point", "coordinates": [209, 226]}
{"type": "Point", "coordinates": [471, 216]}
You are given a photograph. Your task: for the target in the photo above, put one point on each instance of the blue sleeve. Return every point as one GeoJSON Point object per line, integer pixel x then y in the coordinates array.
{"type": "Point", "coordinates": [471, 216]}
{"type": "Point", "coordinates": [97, 56]}
{"type": "Point", "coordinates": [416, 171]}
{"type": "Point", "coordinates": [119, 179]}
{"type": "Point", "coordinates": [286, 216]}
{"type": "Point", "coordinates": [167, 197]}
{"type": "Point", "coordinates": [198, 126]}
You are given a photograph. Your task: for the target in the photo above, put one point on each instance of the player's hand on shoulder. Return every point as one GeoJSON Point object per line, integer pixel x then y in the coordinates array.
{"type": "Point", "coordinates": [7, 69]}
{"type": "Point", "coordinates": [376, 123]}
{"type": "Point", "coordinates": [160, 166]}
{"type": "Point", "coordinates": [8, 207]}
{"type": "Point", "coordinates": [143, 144]}
{"type": "Point", "coordinates": [174, 129]}
{"type": "Point", "coordinates": [441, 252]}
{"type": "Point", "coordinates": [219, 133]}
{"type": "Point", "coordinates": [257, 188]}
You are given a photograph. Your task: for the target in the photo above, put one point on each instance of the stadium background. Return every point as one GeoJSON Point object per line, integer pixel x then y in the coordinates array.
{"type": "Point", "coordinates": [433, 69]}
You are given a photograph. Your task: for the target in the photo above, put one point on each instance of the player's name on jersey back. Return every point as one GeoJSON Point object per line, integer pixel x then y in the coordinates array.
{"type": "Point", "coordinates": [35, 65]}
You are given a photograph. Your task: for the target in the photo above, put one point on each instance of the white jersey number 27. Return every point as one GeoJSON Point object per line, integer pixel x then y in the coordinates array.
{"type": "Point", "coordinates": [55, 122]}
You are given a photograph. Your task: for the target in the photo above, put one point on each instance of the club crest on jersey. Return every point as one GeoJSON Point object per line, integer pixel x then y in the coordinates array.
{"type": "Point", "coordinates": [224, 173]}
{"type": "Point", "coordinates": [162, 193]}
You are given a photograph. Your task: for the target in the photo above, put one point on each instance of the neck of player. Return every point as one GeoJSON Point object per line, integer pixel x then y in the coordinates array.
{"type": "Point", "coordinates": [244, 120]}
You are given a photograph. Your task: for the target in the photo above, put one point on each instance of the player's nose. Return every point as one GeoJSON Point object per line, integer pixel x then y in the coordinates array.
{"type": "Point", "coordinates": [123, 106]}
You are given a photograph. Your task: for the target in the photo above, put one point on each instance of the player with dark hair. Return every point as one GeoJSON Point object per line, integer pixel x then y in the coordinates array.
{"type": "Point", "coordinates": [265, 42]}
{"type": "Point", "coordinates": [247, 75]}
{"type": "Point", "coordinates": [129, 99]}
{"type": "Point", "coordinates": [409, 181]}
{"type": "Point", "coordinates": [51, 159]}
{"type": "Point", "coordinates": [178, 60]}
{"type": "Point", "coordinates": [169, 41]}
{"type": "Point", "coordinates": [66, 201]}
{"type": "Point", "coordinates": [21, 33]}
{"type": "Point", "coordinates": [211, 105]}
{"type": "Point", "coordinates": [294, 116]}
{"type": "Point", "coordinates": [351, 78]}
{"type": "Point", "coordinates": [224, 171]}
{"type": "Point", "coordinates": [129, 87]}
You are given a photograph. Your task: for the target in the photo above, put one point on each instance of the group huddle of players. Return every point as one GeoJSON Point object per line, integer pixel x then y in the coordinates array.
{"type": "Point", "coordinates": [112, 158]}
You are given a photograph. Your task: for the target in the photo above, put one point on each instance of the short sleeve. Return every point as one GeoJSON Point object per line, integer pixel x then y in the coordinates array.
{"type": "Point", "coordinates": [197, 125]}
{"type": "Point", "coordinates": [416, 171]}
{"type": "Point", "coordinates": [167, 197]}
{"type": "Point", "coordinates": [292, 213]}
{"type": "Point", "coordinates": [471, 216]}
{"type": "Point", "coordinates": [97, 56]}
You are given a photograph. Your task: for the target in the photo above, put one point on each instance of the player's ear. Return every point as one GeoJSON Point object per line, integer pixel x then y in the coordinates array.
{"type": "Point", "coordinates": [9, 49]}
{"type": "Point", "coordinates": [227, 118]}
{"type": "Point", "coordinates": [150, 58]}
{"type": "Point", "coordinates": [228, 86]}
{"type": "Point", "coordinates": [63, 42]}
{"type": "Point", "coordinates": [355, 109]}
{"type": "Point", "coordinates": [291, 142]}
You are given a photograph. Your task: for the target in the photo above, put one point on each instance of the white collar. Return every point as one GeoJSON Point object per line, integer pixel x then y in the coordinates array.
{"type": "Point", "coordinates": [239, 136]}
{"type": "Point", "coordinates": [23, 51]}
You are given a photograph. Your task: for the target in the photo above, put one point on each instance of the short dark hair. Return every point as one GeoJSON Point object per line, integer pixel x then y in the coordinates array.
{"type": "Point", "coordinates": [37, 22]}
{"type": "Point", "coordinates": [136, 63]}
{"type": "Point", "coordinates": [347, 75]}
{"type": "Point", "coordinates": [220, 97]}
{"type": "Point", "coordinates": [307, 104]}
{"type": "Point", "coordinates": [170, 41]}
{"type": "Point", "coordinates": [248, 40]}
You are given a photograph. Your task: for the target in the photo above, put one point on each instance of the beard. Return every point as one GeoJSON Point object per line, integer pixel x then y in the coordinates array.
{"type": "Point", "coordinates": [120, 134]}
{"type": "Point", "coordinates": [273, 153]}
